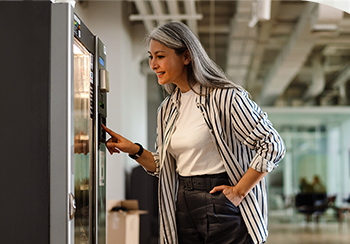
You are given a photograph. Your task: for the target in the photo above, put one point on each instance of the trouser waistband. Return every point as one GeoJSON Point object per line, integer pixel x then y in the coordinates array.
{"type": "Point", "coordinates": [203, 182]}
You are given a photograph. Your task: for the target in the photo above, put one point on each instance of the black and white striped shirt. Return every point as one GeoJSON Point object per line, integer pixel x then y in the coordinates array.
{"type": "Point", "coordinates": [245, 138]}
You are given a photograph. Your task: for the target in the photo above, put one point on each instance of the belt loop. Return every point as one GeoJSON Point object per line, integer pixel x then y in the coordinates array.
{"type": "Point", "coordinates": [189, 184]}
{"type": "Point", "coordinates": [208, 184]}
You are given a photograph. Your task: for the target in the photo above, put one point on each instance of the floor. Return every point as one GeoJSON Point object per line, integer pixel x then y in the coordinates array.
{"type": "Point", "coordinates": [309, 233]}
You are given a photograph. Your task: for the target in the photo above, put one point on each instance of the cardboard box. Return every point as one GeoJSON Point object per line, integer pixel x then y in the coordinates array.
{"type": "Point", "coordinates": [123, 222]}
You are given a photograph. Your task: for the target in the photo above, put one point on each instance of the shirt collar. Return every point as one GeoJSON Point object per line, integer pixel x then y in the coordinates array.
{"type": "Point", "coordinates": [176, 95]}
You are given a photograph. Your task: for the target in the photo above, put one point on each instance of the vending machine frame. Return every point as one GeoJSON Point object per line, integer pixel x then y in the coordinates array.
{"type": "Point", "coordinates": [65, 28]}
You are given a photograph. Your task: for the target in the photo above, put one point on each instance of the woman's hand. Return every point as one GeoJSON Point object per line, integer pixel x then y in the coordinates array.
{"type": "Point", "coordinates": [117, 143]}
{"type": "Point", "coordinates": [230, 192]}
{"type": "Point", "coordinates": [238, 192]}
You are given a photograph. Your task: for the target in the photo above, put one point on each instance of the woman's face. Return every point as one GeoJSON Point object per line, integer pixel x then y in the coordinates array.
{"type": "Point", "coordinates": [168, 66]}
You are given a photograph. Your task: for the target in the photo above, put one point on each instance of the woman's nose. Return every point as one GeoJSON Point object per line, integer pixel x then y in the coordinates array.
{"type": "Point", "coordinates": [153, 64]}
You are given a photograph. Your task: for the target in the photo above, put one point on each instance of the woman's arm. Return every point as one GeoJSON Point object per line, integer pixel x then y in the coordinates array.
{"type": "Point", "coordinates": [238, 192]}
{"type": "Point", "coordinates": [117, 144]}
{"type": "Point", "coordinates": [253, 128]}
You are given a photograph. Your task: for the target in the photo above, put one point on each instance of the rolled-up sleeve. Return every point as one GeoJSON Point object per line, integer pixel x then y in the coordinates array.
{"type": "Point", "coordinates": [158, 143]}
{"type": "Point", "coordinates": [156, 160]}
{"type": "Point", "coordinates": [254, 130]}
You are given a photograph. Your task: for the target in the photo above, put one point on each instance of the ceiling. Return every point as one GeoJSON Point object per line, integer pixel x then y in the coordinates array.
{"type": "Point", "coordinates": [285, 53]}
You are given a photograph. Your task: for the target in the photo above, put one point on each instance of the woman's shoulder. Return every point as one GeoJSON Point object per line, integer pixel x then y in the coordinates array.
{"type": "Point", "coordinates": [229, 92]}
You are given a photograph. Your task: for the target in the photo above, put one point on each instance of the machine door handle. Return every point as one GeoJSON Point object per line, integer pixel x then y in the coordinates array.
{"type": "Point", "coordinates": [104, 80]}
{"type": "Point", "coordinates": [72, 206]}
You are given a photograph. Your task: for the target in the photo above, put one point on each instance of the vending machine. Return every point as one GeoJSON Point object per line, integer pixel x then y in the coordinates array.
{"type": "Point", "coordinates": [88, 85]}
{"type": "Point", "coordinates": [54, 85]}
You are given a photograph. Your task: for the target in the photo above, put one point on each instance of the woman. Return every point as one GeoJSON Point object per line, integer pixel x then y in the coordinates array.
{"type": "Point", "coordinates": [214, 147]}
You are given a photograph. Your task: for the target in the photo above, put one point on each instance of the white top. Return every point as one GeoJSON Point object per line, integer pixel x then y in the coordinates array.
{"type": "Point", "coordinates": [191, 144]}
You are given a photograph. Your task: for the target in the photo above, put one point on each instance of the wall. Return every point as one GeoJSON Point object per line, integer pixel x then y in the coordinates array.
{"type": "Point", "coordinates": [127, 102]}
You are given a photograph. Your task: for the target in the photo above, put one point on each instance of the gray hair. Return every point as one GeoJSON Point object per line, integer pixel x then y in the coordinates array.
{"type": "Point", "coordinates": [202, 69]}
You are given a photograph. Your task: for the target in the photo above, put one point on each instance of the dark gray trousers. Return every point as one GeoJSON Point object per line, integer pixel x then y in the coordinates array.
{"type": "Point", "coordinates": [208, 218]}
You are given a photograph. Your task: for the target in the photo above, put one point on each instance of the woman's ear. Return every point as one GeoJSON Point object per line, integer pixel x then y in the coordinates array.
{"type": "Point", "coordinates": [187, 57]}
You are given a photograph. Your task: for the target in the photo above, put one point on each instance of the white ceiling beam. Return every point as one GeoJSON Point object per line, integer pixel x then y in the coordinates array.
{"type": "Point", "coordinates": [218, 29]}
{"type": "Point", "coordinates": [343, 77]}
{"type": "Point", "coordinates": [343, 95]}
{"type": "Point", "coordinates": [261, 10]}
{"type": "Point", "coordinates": [149, 17]}
{"type": "Point", "coordinates": [290, 59]}
{"type": "Point", "coordinates": [318, 79]}
{"type": "Point", "coordinates": [212, 45]}
{"type": "Point", "coordinates": [340, 40]}
{"type": "Point", "coordinates": [258, 56]}
{"type": "Point", "coordinates": [190, 9]}
{"type": "Point", "coordinates": [173, 7]}
{"type": "Point", "coordinates": [263, 39]}
{"type": "Point", "coordinates": [157, 10]}
{"type": "Point", "coordinates": [336, 50]}
{"type": "Point", "coordinates": [326, 18]}
{"type": "Point", "coordinates": [242, 43]}
{"type": "Point", "coordinates": [143, 10]}
{"type": "Point", "coordinates": [265, 32]}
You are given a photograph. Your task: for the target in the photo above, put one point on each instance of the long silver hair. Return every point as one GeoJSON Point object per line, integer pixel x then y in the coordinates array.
{"type": "Point", "coordinates": [202, 69]}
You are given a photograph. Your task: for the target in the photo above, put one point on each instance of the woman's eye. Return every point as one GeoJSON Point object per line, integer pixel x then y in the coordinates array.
{"type": "Point", "coordinates": [150, 57]}
{"type": "Point", "coordinates": [160, 57]}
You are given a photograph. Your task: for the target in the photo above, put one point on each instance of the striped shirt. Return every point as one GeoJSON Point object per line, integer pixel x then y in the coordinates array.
{"type": "Point", "coordinates": [244, 137]}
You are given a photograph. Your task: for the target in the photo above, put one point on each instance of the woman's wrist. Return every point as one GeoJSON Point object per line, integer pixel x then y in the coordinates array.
{"type": "Point", "coordinates": [241, 192]}
{"type": "Point", "coordinates": [249, 181]}
{"type": "Point", "coordinates": [136, 154]}
{"type": "Point", "coordinates": [134, 149]}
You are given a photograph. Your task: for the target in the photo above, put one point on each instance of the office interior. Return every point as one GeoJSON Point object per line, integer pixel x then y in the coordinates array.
{"type": "Point", "coordinates": [294, 59]}
{"type": "Point", "coordinates": [292, 56]}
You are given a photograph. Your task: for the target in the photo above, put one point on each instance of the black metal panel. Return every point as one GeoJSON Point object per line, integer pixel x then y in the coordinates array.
{"type": "Point", "coordinates": [24, 105]}
{"type": "Point", "coordinates": [84, 34]}
{"type": "Point", "coordinates": [102, 96]}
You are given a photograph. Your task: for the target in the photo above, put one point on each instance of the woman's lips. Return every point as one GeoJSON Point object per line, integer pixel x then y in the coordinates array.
{"type": "Point", "coordinates": [160, 74]}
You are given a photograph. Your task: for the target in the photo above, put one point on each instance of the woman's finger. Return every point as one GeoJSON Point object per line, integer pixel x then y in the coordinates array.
{"type": "Point", "coordinates": [116, 143]}
{"type": "Point", "coordinates": [109, 131]}
{"type": "Point", "coordinates": [218, 188]}
{"type": "Point", "coordinates": [115, 150]}
{"type": "Point", "coordinates": [109, 149]}
{"type": "Point", "coordinates": [112, 149]}
{"type": "Point", "coordinates": [111, 146]}
{"type": "Point", "coordinates": [111, 140]}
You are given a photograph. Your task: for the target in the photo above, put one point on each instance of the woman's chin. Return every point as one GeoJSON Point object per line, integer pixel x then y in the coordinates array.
{"type": "Point", "coordinates": [161, 82]}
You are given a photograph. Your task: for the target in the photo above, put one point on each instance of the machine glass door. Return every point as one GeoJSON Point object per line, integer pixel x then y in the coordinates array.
{"type": "Point", "coordinates": [82, 142]}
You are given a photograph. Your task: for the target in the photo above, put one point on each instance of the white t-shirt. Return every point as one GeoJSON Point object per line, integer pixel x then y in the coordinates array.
{"type": "Point", "coordinates": [191, 144]}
